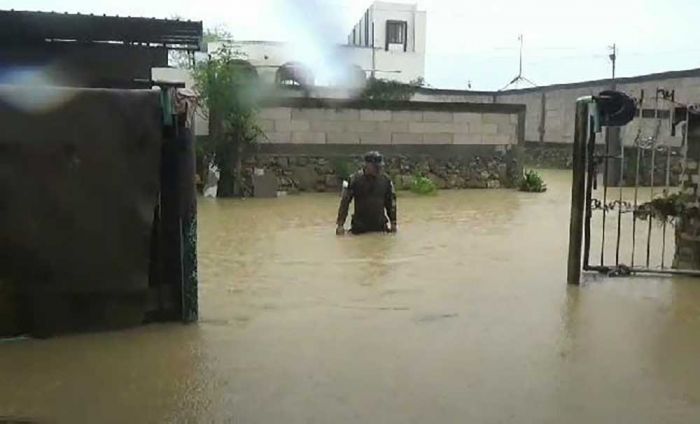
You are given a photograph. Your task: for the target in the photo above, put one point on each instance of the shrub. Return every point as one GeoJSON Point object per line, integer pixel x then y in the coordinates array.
{"type": "Point", "coordinates": [669, 207]}
{"type": "Point", "coordinates": [423, 185]}
{"type": "Point", "coordinates": [343, 168]}
{"type": "Point", "coordinates": [532, 182]}
{"type": "Point", "coordinates": [386, 90]}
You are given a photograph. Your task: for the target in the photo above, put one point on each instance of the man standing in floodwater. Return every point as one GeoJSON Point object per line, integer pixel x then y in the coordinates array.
{"type": "Point", "coordinates": [374, 195]}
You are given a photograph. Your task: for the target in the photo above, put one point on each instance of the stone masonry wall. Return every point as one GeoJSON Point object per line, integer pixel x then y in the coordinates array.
{"type": "Point", "coordinates": [548, 155]}
{"type": "Point", "coordinates": [687, 236]}
{"type": "Point", "coordinates": [320, 172]}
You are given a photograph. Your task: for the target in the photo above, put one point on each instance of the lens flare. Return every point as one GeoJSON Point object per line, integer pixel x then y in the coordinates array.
{"type": "Point", "coordinates": [35, 89]}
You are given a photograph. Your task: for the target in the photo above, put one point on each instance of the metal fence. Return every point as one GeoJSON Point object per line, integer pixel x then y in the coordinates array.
{"type": "Point", "coordinates": [612, 227]}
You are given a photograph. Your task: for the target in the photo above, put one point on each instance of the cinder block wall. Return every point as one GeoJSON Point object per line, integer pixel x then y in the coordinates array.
{"type": "Point", "coordinates": [551, 109]}
{"type": "Point", "coordinates": [396, 124]}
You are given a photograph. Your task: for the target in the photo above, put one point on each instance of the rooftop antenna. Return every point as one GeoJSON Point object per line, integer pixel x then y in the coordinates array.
{"type": "Point", "coordinates": [518, 78]}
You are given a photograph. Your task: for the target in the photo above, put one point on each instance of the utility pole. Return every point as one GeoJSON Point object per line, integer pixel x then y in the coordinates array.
{"type": "Point", "coordinates": [520, 67]}
{"type": "Point", "coordinates": [374, 57]}
{"type": "Point", "coordinates": [613, 59]}
{"type": "Point", "coordinates": [613, 142]}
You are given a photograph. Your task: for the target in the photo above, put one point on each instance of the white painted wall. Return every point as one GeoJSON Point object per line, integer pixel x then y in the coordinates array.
{"type": "Point", "coordinates": [381, 12]}
{"type": "Point", "coordinates": [394, 63]}
{"type": "Point", "coordinates": [410, 66]}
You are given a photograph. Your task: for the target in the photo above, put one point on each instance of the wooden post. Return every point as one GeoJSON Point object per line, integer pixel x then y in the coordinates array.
{"type": "Point", "coordinates": [578, 186]}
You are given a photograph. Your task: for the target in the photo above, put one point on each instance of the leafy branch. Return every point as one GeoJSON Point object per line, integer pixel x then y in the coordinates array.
{"type": "Point", "coordinates": [227, 87]}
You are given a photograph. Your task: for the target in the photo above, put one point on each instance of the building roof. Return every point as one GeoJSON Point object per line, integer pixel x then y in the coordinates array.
{"type": "Point", "coordinates": [22, 27]}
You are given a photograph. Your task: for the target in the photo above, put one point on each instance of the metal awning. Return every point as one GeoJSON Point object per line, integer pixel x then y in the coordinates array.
{"type": "Point", "coordinates": [20, 27]}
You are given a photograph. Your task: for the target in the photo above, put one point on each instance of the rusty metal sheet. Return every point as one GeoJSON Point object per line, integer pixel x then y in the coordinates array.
{"type": "Point", "coordinates": [79, 181]}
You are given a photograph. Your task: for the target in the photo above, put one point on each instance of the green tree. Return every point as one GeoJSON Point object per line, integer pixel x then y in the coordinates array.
{"type": "Point", "coordinates": [227, 87]}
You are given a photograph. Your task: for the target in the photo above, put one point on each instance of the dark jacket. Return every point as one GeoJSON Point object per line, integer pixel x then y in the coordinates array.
{"type": "Point", "coordinates": [373, 197]}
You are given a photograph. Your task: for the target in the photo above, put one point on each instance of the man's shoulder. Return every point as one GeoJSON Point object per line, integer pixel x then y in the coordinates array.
{"type": "Point", "coordinates": [387, 178]}
{"type": "Point", "coordinates": [358, 175]}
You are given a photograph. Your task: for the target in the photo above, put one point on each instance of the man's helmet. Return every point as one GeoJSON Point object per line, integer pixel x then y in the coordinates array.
{"type": "Point", "coordinates": [374, 157]}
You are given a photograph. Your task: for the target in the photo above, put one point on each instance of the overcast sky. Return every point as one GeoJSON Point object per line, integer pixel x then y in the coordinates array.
{"type": "Point", "coordinates": [467, 40]}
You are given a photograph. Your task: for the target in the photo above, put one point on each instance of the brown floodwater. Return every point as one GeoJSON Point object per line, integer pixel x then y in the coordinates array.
{"type": "Point", "coordinates": [463, 316]}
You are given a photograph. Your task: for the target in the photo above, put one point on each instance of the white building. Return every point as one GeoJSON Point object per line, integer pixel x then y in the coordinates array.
{"type": "Point", "coordinates": [388, 42]}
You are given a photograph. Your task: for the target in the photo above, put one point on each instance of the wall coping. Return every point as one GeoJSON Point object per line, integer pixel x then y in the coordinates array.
{"type": "Point", "coordinates": [439, 151]}
{"type": "Point", "coordinates": [395, 105]}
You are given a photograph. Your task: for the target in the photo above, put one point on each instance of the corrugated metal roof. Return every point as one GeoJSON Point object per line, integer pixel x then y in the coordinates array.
{"type": "Point", "coordinates": [23, 27]}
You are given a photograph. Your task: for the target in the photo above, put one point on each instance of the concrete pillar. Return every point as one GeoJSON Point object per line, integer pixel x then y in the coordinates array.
{"type": "Point", "coordinates": [543, 114]}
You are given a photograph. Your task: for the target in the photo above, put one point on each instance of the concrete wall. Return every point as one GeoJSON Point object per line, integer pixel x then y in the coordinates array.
{"type": "Point", "coordinates": [447, 96]}
{"type": "Point", "coordinates": [533, 116]}
{"type": "Point", "coordinates": [559, 107]}
{"type": "Point", "coordinates": [550, 109]}
{"type": "Point", "coordinates": [398, 123]}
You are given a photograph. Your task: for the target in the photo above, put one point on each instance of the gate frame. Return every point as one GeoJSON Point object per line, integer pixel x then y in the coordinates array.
{"type": "Point", "coordinates": [587, 124]}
